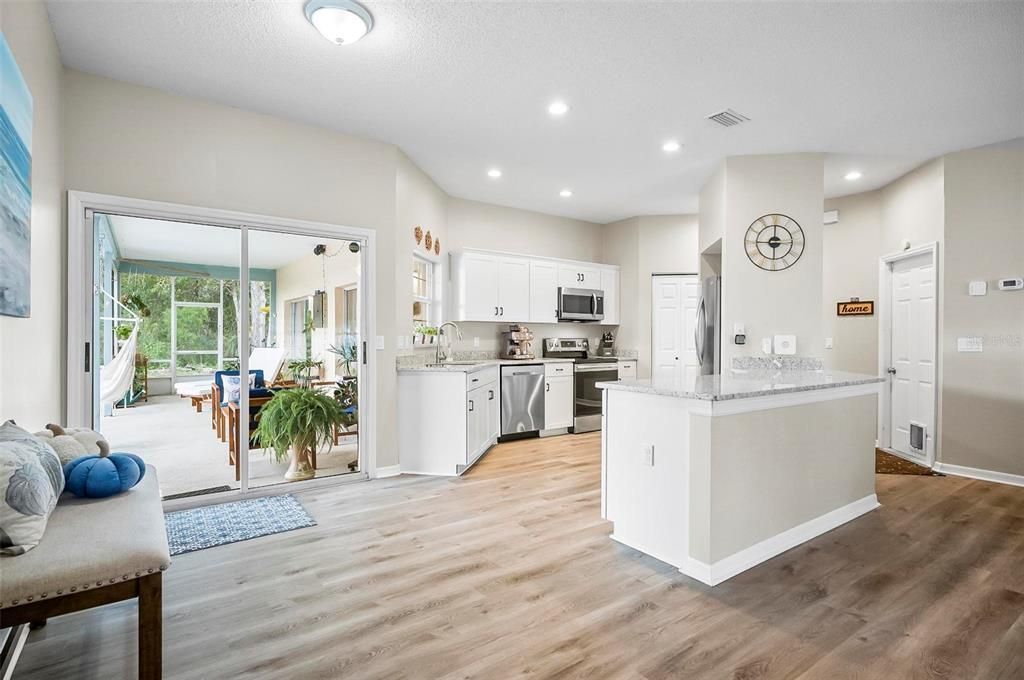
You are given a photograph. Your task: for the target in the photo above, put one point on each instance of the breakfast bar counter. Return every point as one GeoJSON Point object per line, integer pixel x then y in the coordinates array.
{"type": "Point", "coordinates": [719, 473]}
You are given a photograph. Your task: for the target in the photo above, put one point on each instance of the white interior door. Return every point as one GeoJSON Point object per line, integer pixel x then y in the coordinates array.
{"type": "Point", "coordinates": [912, 355]}
{"type": "Point", "coordinates": [674, 302]}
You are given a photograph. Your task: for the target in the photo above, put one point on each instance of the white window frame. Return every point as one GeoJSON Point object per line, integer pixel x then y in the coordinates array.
{"type": "Point", "coordinates": [434, 302]}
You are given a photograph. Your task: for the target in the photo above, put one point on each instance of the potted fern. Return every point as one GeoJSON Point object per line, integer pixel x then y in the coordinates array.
{"type": "Point", "coordinates": [298, 421]}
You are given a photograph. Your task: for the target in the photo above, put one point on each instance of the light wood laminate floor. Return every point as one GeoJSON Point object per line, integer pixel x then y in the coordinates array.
{"type": "Point", "coordinates": [509, 572]}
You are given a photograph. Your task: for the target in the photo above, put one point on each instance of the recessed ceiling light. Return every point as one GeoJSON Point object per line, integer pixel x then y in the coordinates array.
{"type": "Point", "coordinates": [558, 108]}
{"type": "Point", "coordinates": [565, 193]}
{"type": "Point", "coordinates": [671, 146]}
{"type": "Point", "coordinates": [494, 173]}
{"type": "Point", "coordinates": [341, 21]}
{"type": "Point", "coordinates": [853, 174]}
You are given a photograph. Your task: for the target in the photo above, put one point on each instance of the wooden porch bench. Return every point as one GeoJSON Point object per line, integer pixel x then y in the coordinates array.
{"type": "Point", "coordinates": [94, 552]}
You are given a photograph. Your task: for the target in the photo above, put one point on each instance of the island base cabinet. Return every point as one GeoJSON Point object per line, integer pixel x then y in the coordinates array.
{"type": "Point", "coordinates": [715, 488]}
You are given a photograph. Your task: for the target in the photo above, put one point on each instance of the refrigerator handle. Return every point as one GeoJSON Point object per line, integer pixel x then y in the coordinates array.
{"type": "Point", "coordinates": [700, 332]}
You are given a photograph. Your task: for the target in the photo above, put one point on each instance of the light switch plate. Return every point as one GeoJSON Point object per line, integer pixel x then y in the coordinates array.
{"type": "Point", "coordinates": [785, 344]}
{"type": "Point", "coordinates": [649, 455]}
{"type": "Point", "coordinates": [766, 345]}
{"type": "Point", "coordinates": [977, 288]}
{"type": "Point", "coordinates": [828, 343]}
{"type": "Point", "coordinates": [476, 342]}
{"type": "Point", "coordinates": [380, 343]}
{"type": "Point", "coordinates": [971, 344]}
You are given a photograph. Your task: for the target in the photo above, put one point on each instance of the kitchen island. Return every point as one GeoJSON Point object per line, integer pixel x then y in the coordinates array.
{"type": "Point", "coordinates": [719, 473]}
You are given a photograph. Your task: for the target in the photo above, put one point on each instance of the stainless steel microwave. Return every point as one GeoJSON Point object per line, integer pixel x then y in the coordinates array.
{"type": "Point", "coordinates": [580, 304]}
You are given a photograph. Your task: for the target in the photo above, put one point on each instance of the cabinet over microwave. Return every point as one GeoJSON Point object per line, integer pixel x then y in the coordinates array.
{"type": "Point", "coordinates": [580, 304]}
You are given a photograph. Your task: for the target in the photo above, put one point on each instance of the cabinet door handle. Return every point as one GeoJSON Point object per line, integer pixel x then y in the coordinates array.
{"type": "Point", "coordinates": [490, 395]}
{"type": "Point", "coordinates": [470, 404]}
{"type": "Point", "coordinates": [502, 311]}
{"type": "Point", "coordinates": [495, 311]}
{"type": "Point", "coordinates": [548, 387]}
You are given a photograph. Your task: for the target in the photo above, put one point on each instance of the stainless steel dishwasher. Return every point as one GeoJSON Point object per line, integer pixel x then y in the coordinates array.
{"type": "Point", "coordinates": [522, 399]}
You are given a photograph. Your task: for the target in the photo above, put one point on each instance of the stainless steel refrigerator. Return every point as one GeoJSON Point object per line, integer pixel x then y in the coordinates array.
{"type": "Point", "coordinates": [708, 334]}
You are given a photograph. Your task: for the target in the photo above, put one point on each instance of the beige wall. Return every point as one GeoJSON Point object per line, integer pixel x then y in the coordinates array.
{"type": "Point", "coordinates": [32, 351]}
{"type": "Point", "coordinates": [850, 252]}
{"type": "Point", "coordinates": [983, 393]}
{"type": "Point", "coordinates": [643, 246]}
{"type": "Point", "coordinates": [712, 210]}
{"type": "Point", "coordinates": [767, 302]}
{"type": "Point", "coordinates": [134, 141]}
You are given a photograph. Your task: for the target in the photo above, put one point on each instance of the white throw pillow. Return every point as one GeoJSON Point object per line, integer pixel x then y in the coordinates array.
{"type": "Point", "coordinates": [31, 480]}
{"type": "Point", "coordinates": [232, 388]}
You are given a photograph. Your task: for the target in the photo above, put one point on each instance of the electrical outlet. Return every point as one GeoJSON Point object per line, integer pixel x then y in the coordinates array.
{"type": "Point", "coordinates": [766, 345]}
{"type": "Point", "coordinates": [380, 343]}
{"type": "Point", "coordinates": [828, 343]}
{"type": "Point", "coordinates": [649, 455]}
{"type": "Point", "coordinates": [476, 342]}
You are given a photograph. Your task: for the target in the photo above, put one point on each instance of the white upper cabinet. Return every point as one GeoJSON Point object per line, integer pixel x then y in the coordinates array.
{"type": "Point", "coordinates": [476, 288]}
{"type": "Point", "coordinates": [507, 288]}
{"type": "Point", "coordinates": [513, 289]}
{"type": "Point", "coordinates": [579, 276]}
{"type": "Point", "coordinates": [543, 292]}
{"type": "Point", "coordinates": [610, 286]}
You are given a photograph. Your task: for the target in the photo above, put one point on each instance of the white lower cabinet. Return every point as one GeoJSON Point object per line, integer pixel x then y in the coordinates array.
{"type": "Point", "coordinates": [627, 369]}
{"type": "Point", "coordinates": [446, 419]}
{"type": "Point", "coordinates": [558, 396]}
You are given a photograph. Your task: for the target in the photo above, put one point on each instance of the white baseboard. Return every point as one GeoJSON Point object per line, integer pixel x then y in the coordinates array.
{"type": "Point", "coordinates": [978, 473]}
{"type": "Point", "coordinates": [388, 471]}
{"type": "Point", "coordinates": [736, 563]}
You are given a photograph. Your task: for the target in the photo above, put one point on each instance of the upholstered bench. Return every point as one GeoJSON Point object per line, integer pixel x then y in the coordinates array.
{"type": "Point", "coordinates": [94, 552]}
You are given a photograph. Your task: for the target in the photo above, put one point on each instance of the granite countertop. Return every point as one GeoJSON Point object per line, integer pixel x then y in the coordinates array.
{"type": "Point", "coordinates": [743, 384]}
{"type": "Point", "coordinates": [472, 367]}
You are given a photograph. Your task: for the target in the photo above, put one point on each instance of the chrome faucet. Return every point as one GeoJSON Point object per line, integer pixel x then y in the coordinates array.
{"type": "Point", "coordinates": [444, 344]}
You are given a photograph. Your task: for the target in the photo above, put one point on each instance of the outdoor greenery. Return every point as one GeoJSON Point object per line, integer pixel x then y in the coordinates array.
{"type": "Point", "coordinates": [301, 418]}
{"type": "Point", "coordinates": [149, 295]}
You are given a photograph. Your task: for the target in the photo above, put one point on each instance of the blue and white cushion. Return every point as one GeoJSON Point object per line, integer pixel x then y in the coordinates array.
{"type": "Point", "coordinates": [232, 387]}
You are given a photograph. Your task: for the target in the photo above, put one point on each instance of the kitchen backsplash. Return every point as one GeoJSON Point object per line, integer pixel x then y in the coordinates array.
{"type": "Point", "coordinates": [778, 362]}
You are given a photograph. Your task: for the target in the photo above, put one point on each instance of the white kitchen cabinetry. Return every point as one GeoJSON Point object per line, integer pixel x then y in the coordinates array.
{"type": "Point", "coordinates": [447, 419]}
{"type": "Point", "coordinates": [508, 288]}
{"type": "Point", "coordinates": [492, 288]}
{"type": "Point", "coordinates": [578, 276]}
{"type": "Point", "coordinates": [558, 395]}
{"type": "Point", "coordinates": [543, 292]}
{"type": "Point", "coordinates": [610, 286]}
{"type": "Point", "coordinates": [627, 369]}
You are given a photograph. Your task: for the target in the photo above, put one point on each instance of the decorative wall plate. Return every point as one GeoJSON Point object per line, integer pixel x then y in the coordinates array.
{"type": "Point", "coordinates": [428, 241]}
{"type": "Point", "coordinates": [437, 246]}
{"type": "Point", "coordinates": [418, 233]}
{"type": "Point", "coordinates": [774, 242]}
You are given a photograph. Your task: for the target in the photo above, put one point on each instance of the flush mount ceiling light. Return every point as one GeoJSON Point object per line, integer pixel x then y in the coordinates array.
{"type": "Point", "coordinates": [494, 173]}
{"type": "Point", "coordinates": [558, 108]}
{"type": "Point", "coordinates": [341, 21]}
{"type": "Point", "coordinates": [565, 193]}
{"type": "Point", "coordinates": [853, 174]}
{"type": "Point", "coordinates": [671, 146]}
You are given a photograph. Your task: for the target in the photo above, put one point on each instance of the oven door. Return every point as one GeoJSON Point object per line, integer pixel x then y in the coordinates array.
{"type": "Point", "coordinates": [580, 304]}
{"type": "Point", "coordinates": [587, 397]}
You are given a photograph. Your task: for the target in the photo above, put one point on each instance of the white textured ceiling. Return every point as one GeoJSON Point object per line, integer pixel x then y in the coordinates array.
{"type": "Point", "coordinates": [461, 87]}
{"type": "Point", "coordinates": [162, 241]}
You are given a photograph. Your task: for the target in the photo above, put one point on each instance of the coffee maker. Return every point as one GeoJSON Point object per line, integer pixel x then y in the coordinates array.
{"type": "Point", "coordinates": [607, 346]}
{"type": "Point", "coordinates": [517, 343]}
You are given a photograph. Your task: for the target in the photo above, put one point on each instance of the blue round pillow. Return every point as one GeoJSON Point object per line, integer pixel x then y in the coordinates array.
{"type": "Point", "coordinates": [103, 475]}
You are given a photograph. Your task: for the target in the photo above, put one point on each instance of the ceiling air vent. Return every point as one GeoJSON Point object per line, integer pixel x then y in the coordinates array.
{"type": "Point", "coordinates": [728, 118]}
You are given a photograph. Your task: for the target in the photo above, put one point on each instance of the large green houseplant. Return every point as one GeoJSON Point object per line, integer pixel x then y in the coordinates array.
{"type": "Point", "coordinates": [300, 420]}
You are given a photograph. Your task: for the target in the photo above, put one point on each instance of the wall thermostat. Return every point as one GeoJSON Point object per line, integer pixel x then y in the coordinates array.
{"type": "Point", "coordinates": [739, 334]}
{"type": "Point", "coordinates": [1011, 284]}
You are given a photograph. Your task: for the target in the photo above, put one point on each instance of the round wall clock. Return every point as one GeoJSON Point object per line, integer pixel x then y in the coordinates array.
{"type": "Point", "coordinates": [774, 242]}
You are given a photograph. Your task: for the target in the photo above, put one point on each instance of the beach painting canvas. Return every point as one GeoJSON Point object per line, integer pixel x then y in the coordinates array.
{"type": "Point", "coordinates": [15, 186]}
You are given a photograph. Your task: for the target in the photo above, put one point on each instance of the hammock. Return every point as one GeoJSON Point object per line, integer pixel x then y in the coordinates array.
{"type": "Point", "coordinates": [117, 375]}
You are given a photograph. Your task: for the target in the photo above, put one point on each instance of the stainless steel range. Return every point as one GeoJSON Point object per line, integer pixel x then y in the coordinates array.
{"type": "Point", "coordinates": [588, 371]}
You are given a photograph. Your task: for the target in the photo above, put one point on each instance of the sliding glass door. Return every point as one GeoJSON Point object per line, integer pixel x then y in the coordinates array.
{"type": "Point", "coordinates": [229, 357]}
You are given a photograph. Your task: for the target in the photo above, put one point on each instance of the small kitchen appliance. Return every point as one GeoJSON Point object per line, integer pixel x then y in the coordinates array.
{"type": "Point", "coordinates": [588, 370]}
{"type": "Point", "coordinates": [607, 346]}
{"type": "Point", "coordinates": [517, 343]}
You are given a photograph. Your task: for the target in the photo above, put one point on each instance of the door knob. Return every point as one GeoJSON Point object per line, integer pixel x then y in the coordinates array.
{"type": "Point", "coordinates": [891, 370]}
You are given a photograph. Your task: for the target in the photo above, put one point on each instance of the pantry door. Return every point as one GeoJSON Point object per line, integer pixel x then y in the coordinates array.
{"type": "Point", "coordinates": [674, 301]}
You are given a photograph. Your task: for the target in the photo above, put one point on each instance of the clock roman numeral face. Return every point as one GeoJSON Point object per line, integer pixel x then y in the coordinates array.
{"type": "Point", "coordinates": [774, 242]}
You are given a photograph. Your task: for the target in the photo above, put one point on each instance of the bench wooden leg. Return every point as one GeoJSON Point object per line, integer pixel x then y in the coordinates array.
{"type": "Point", "coordinates": [151, 627]}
